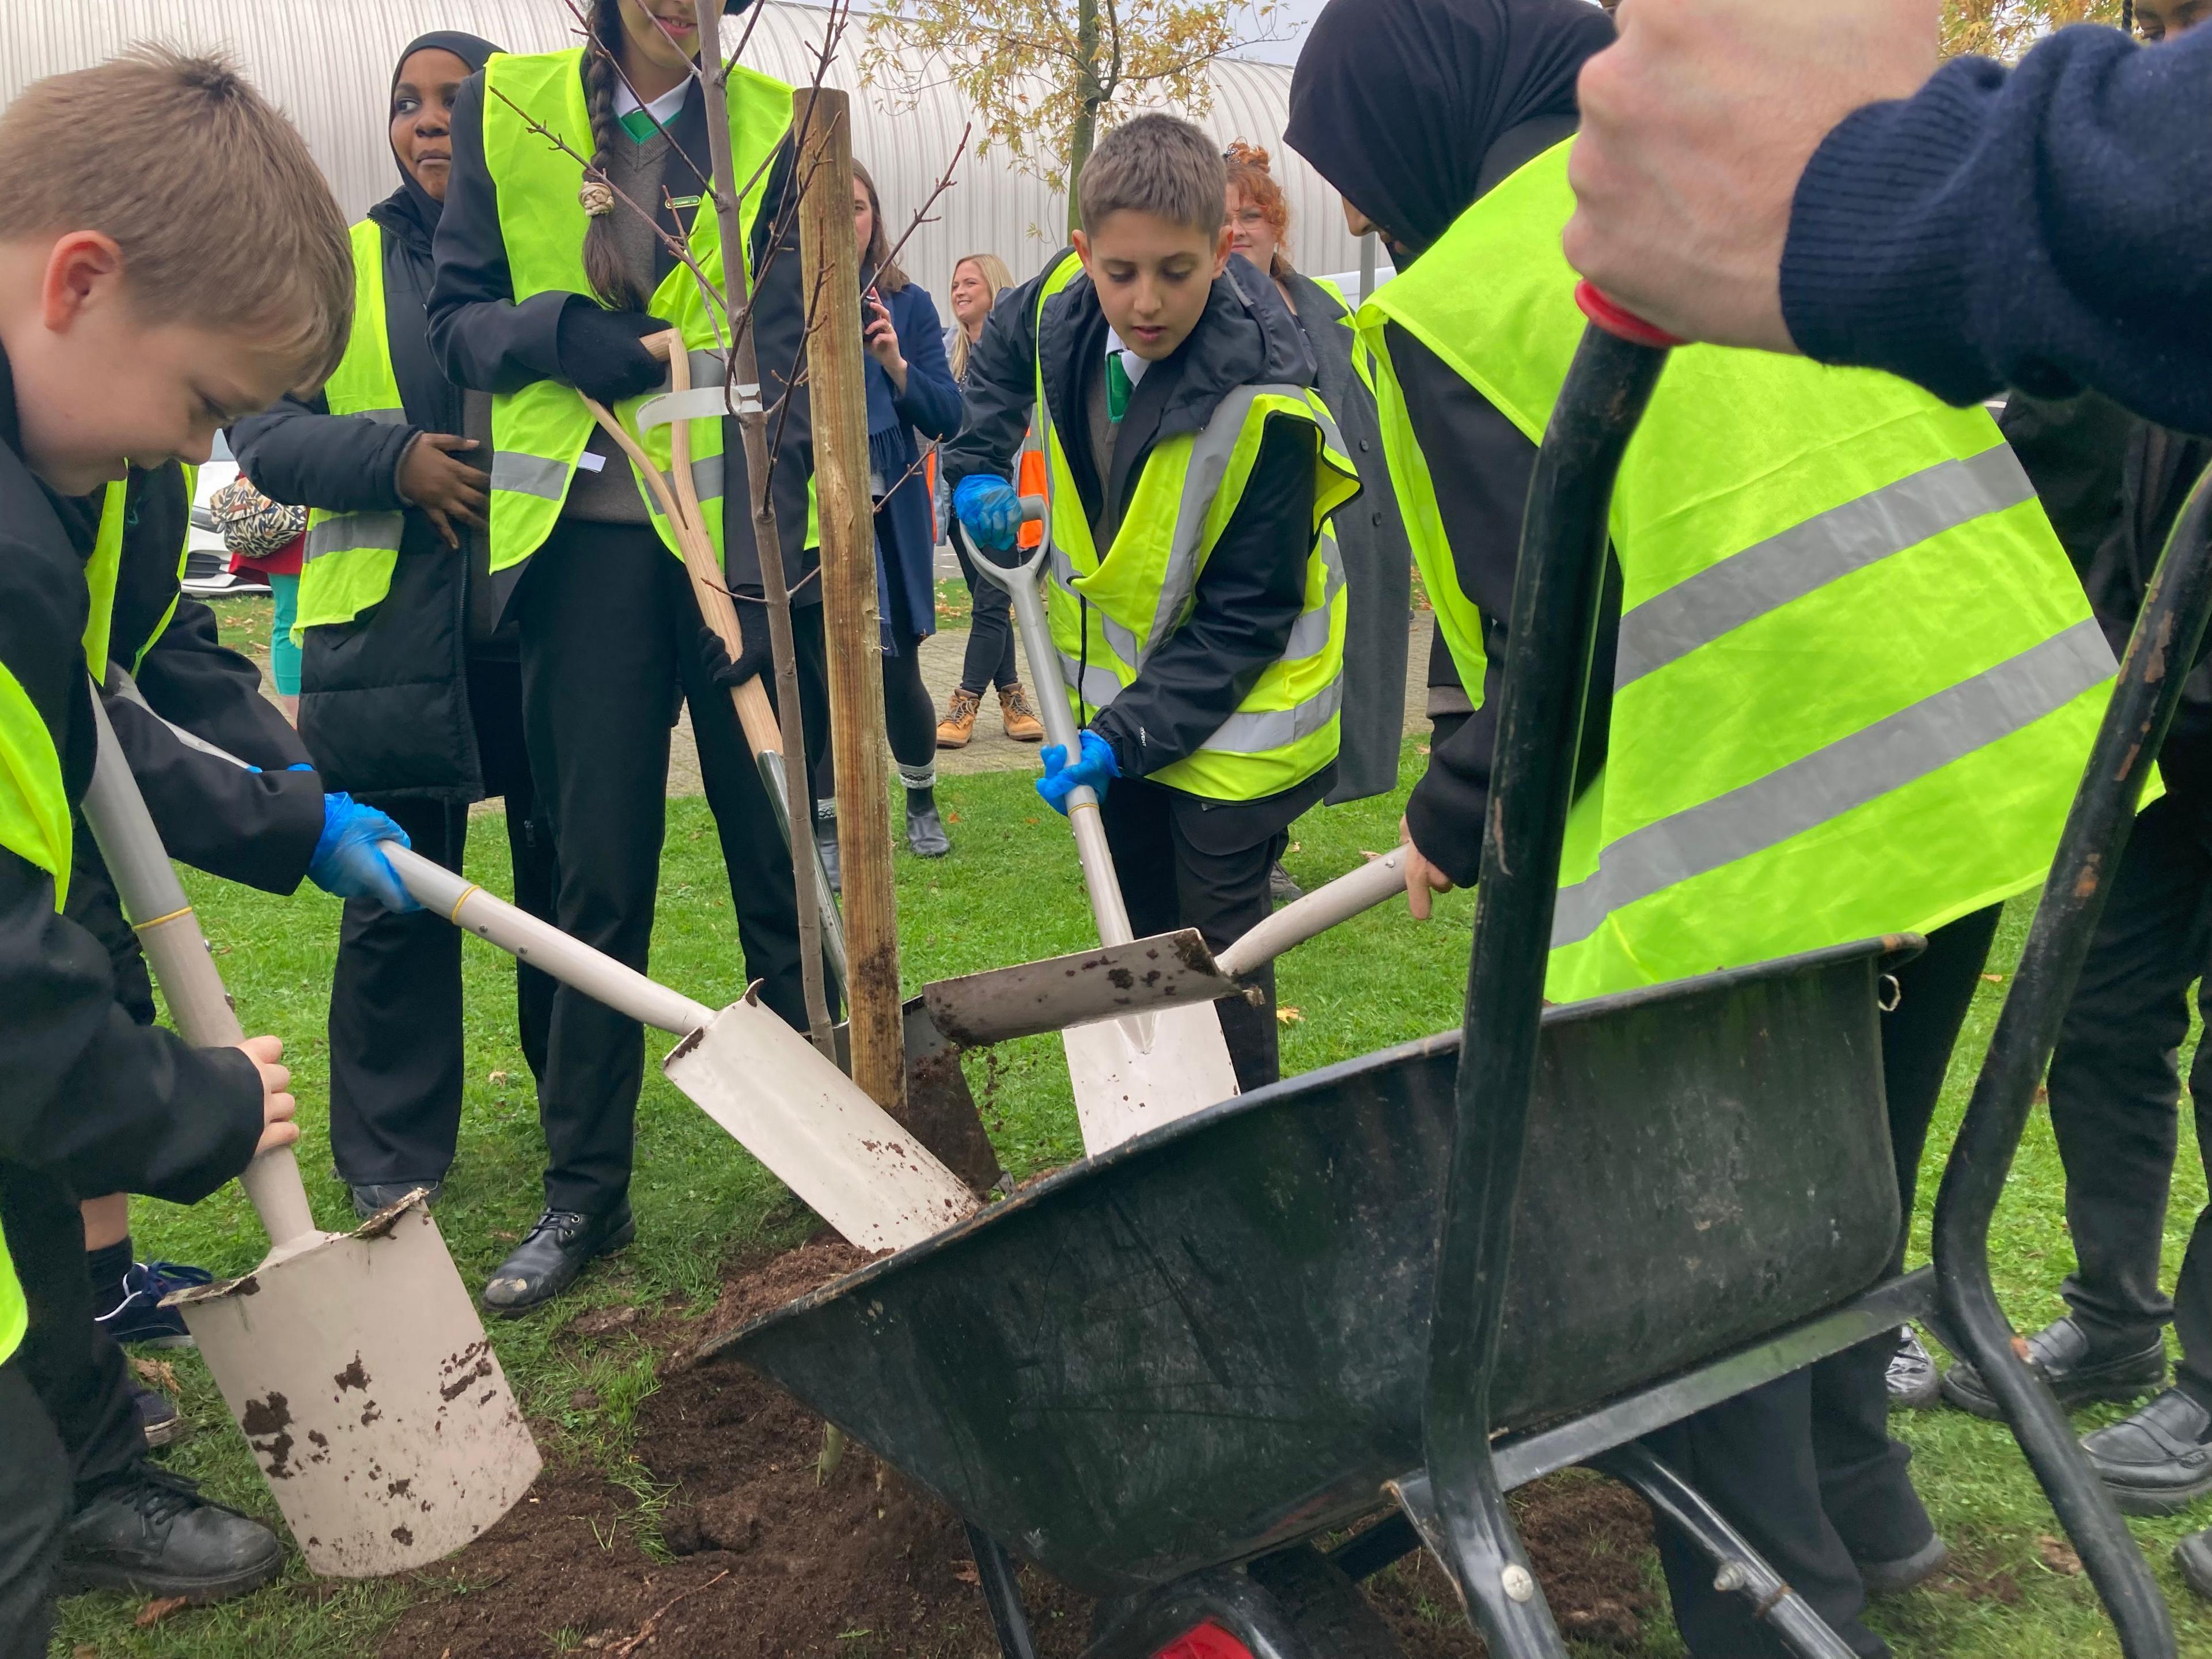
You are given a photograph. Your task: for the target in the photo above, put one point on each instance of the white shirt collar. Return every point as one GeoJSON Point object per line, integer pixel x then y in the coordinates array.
{"type": "Point", "coordinates": [1132, 364]}
{"type": "Point", "coordinates": [664, 109]}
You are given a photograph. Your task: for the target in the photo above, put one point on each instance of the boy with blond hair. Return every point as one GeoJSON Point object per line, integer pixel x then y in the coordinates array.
{"type": "Point", "coordinates": [170, 259]}
{"type": "Point", "coordinates": [1197, 601]}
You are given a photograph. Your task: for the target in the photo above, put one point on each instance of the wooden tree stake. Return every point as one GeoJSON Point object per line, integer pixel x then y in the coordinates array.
{"type": "Point", "coordinates": [837, 383]}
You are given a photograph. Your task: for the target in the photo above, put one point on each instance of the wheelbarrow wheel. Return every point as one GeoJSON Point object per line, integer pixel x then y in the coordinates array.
{"type": "Point", "coordinates": [1327, 1608]}
{"type": "Point", "coordinates": [1293, 1604]}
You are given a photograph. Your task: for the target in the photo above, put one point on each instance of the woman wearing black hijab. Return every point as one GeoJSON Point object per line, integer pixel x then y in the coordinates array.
{"type": "Point", "coordinates": [411, 689]}
{"type": "Point", "coordinates": [1414, 110]}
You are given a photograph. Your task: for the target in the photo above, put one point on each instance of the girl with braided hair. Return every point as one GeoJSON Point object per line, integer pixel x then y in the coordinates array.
{"type": "Point", "coordinates": [556, 262]}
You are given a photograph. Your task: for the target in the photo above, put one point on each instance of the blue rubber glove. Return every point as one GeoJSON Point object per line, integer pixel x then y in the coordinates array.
{"type": "Point", "coordinates": [989, 512]}
{"type": "Point", "coordinates": [1097, 768]}
{"type": "Point", "coordinates": [348, 860]}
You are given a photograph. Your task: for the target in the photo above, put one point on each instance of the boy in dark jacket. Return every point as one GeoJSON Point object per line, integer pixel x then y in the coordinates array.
{"type": "Point", "coordinates": [131, 218]}
{"type": "Point", "coordinates": [1205, 643]}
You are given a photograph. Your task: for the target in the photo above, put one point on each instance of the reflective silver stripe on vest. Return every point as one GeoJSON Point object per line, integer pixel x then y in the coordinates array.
{"type": "Point", "coordinates": [344, 532]}
{"type": "Point", "coordinates": [1098, 686]}
{"type": "Point", "coordinates": [1769, 574]}
{"type": "Point", "coordinates": [1309, 634]}
{"type": "Point", "coordinates": [381, 417]}
{"type": "Point", "coordinates": [1888, 755]}
{"type": "Point", "coordinates": [1256, 733]}
{"type": "Point", "coordinates": [530, 475]}
{"type": "Point", "coordinates": [707, 478]}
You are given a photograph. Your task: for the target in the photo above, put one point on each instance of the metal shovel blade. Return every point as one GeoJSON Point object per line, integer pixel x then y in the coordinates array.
{"type": "Point", "coordinates": [845, 1156]}
{"type": "Point", "coordinates": [1125, 1085]}
{"type": "Point", "coordinates": [1104, 982]}
{"type": "Point", "coordinates": [359, 1369]}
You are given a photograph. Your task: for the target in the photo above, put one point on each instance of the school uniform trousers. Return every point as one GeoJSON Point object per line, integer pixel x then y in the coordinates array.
{"type": "Point", "coordinates": [1822, 1433]}
{"type": "Point", "coordinates": [610, 642]}
{"type": "Point", "coordinates": [396, 1005]}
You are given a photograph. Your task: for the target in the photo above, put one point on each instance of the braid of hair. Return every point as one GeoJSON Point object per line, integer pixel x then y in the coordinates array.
{"type": "Point", "coordinates": [603, 263]}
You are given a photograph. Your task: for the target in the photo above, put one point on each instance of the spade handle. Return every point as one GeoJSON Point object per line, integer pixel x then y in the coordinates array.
{"type": "Point", "coordinates": [169, 932]}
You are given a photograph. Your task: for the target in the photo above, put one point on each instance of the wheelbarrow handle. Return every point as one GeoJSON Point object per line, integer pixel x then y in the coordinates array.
{"type": "Point", "coordinates": [169, 932]}
{"type": "Point", "coordinates": [1617, 321]}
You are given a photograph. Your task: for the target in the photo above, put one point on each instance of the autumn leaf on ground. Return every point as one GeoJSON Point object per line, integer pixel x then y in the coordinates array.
{"type": "Point", "coordinates": [965, 1573]}
{"type": "Point", "coordinates": [2058, 1555]}
{"type": "Point", "coordinates": [155, 1374]}
{"type": "Point", "coordinates": [158, 1609]}
{"type": "Point", "coordinates": [1290, 1015]}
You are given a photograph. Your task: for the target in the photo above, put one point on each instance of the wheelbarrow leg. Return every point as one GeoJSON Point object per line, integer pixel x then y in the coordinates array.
{"type": "Point", "coordinates": [2164, 644]}
{"type": "Point", "coordinates": [1737, 1567]}
{"type": "Point", "coordinates": [1555, 605]}
{"type": "Point", "coordinates": [994, 1574]}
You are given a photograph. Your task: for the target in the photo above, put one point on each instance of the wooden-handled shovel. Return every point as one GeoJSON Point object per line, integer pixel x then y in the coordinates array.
{"type": "Point", "coordinates": [356, 1363]}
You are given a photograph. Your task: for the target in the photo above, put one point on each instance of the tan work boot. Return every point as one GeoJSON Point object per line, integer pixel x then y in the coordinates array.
{"type": "Point", "coordinates": [958, 724]}
{"type": "Point", "coordinates": [1018, 715]}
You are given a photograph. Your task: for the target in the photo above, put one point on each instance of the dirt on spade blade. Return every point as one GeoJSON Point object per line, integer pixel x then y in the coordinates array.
{"type": "Point", "coordinates": [762, 1558]}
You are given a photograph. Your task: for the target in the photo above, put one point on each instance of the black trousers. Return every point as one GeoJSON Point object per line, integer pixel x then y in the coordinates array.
{"type": "Point", "coordinates": [910, 723]}
{"type": "Point", "coordinates": [77, 1370]}
{"type": "Point", "coordinates": [990, 657]}
{"type": "Point", "coordinates": [395, 1023]}
{"type": "Point", "coordinates": [610, 639]}
{"type": "Point", "coordinates": [1804, 1467]}
{"type": "Point", "coordinates": [2116, 1091]}
{"type": "Point", "coordinates": [34, 1507]}
{"type": "Point", "coordinates": [1168, 881]}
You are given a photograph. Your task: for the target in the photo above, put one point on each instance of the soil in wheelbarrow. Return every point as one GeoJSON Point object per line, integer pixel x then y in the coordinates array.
{"type": "Point", "coordinates": [749, 1552]}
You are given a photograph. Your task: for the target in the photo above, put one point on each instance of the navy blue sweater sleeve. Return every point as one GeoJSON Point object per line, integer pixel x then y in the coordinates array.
{"type": "Point", "coordinates": [930, 403]}
{"type": "Point", "coordinates": [2049, 227]}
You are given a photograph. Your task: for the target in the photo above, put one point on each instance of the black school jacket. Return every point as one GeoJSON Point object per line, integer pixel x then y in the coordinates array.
{"type": "Point", "coordinates": [383, 699]}
{"type": "Point", "coordinates": [2113, 484]}
{"type": "Point", "coordinates": [1253, 589]}
{"type": "Point", "coordinates": [89, 1098]}
{"type": "Point", "coordinates": [489, 342]}
{"type": "Point", "coordinates": [259, 828]}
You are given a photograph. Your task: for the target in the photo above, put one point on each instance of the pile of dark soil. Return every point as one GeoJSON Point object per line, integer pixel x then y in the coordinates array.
{"type": "Point", "coordinates": [768, 1560]}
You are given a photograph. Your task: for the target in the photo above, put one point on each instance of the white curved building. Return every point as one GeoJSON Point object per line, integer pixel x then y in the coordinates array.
{"type": "Point", "coordinates": [328, 63]}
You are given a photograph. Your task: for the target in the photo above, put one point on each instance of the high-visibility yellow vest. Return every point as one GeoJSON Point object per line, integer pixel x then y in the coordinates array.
{"type": "Point", "coordinates": [14, 1313]}
{"type": "Point", "coordinates": [1856, 681]}
{"type": "Point", "coordinates": [34, 825]}
{"type": "Point", "coordinates": [350, 556]}
{"type": "Point", "coordinates": [539, 433]}
{"type": "Point", "coordinates": [104, 570]}
{"type": "Point", "coordinates": [1109, 613]}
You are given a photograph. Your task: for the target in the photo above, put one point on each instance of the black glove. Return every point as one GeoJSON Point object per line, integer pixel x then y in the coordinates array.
{"type": "Point", "coordinates": [754, 657]}
{"type": "Point", "coordinates": [602, 352]}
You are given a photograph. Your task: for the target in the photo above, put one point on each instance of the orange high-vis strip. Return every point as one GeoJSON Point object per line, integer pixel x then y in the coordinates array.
{"type": "Point", "coordinates": [1031, 481]}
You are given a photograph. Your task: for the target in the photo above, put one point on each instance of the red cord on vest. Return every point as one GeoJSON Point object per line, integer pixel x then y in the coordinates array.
{"type": "Point", "coordinates": [1617, 321]}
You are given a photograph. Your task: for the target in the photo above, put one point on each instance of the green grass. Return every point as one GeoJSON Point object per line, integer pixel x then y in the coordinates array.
{"type": "Point", "coordinates": [1010, 892]}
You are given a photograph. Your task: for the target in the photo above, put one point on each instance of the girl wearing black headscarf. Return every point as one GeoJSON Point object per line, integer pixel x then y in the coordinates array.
{"type": "Point", "coordinates": [415, 702]}
{"type": "Point", "coordinates": [1415, 109]}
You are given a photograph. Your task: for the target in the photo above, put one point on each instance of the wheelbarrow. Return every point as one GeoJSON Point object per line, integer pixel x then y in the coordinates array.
{"type": "Point", "coordinates": [1419, 1280]}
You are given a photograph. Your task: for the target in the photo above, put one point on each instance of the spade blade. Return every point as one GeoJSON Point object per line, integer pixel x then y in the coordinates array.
{"type": "Point", "coordinates": [1060, 991]}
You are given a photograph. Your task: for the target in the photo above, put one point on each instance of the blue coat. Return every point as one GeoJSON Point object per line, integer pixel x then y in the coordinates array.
{"type": "Point", "coordinates": [906, 528]}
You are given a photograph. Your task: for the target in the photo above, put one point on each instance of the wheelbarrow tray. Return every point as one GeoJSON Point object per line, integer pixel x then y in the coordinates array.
{"type": "Point", "coordinates": [1211, 1340]}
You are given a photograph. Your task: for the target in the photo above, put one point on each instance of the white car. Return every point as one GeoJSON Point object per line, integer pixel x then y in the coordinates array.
{"type": "Point", "coordinates": [208, 574]}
